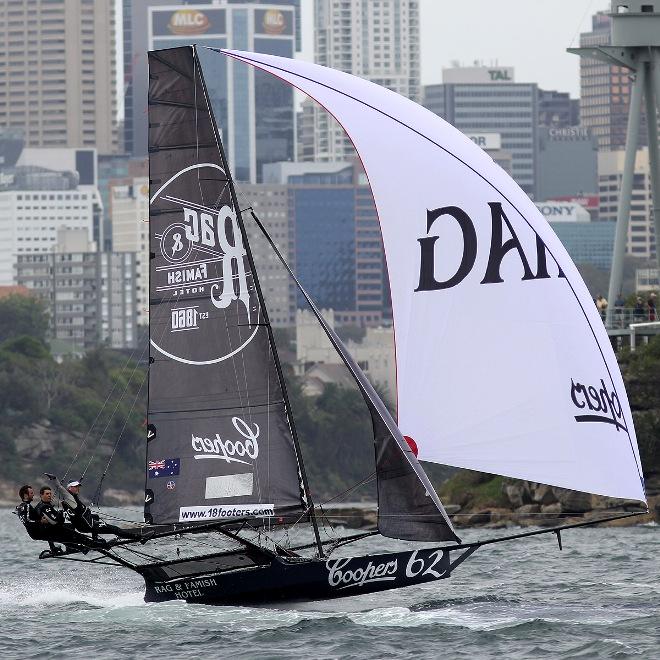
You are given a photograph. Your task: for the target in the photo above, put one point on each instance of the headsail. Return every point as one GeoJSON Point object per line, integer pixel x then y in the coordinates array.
{"type": "Point", "coordinates": [219, 441]}
{"type": "Point", "coordinates": [503, 364]}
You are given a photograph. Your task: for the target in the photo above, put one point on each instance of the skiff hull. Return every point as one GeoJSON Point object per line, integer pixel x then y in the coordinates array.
{"type": "Point", "coordinates": [290, 579]}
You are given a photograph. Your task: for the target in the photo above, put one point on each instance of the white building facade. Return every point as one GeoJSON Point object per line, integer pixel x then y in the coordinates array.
{"type": "Point", "coordinates": [641, 231]}
{"type": "Point", "coordinates": [30, 219]}
{"type": "Point", "coordinates": [90, 297]}
{"type": "Point", "coordinates": [129, 213]}
{"type": "Point", "coordinates": [374, 39]}
{"type": "Point", "coordinates": [374, 354]}
{"type": "Point", "coordinates": [42, 192]}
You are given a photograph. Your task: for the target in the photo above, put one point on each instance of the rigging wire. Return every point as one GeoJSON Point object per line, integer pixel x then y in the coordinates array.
{"type": "Point", "coordinates": [579, 25]}
{"type": "Point", "coordinates": [114, 412]}
{"type": "Point", "coordinates": [367, 480]}
{"type": "Point", "coordinates": [97, 494]}
{"type": "Point", "coordinates": [98, 415]}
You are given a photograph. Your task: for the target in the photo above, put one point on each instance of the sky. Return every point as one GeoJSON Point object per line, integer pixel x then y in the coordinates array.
{"type": "Point", "coordinates": [530, 35]}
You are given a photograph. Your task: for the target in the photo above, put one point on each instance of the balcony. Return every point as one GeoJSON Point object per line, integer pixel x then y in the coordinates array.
{"type": "Point", "coordinates": [624, 317]}
{"type": "Point", "coordinates": [628, 326]}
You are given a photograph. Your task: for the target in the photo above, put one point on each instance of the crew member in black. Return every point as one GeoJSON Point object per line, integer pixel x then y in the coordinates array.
{"type": "Point", "coordinates": [54, 527]}
{"type": "Point", "coordinates": [82, 518]}
{"type": "Point", "coordinates": [35, 525]}
{"type": "Point", "coordinates": [25, 511]}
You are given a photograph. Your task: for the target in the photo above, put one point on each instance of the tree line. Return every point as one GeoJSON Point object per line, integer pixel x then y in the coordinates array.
{"type": "Point", "coordinates": [95, 408]}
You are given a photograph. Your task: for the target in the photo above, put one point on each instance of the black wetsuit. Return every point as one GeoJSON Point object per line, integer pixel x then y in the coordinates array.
{"type": "Point", "coordinates": [29, 517]}
{"type": "Point", "coordinates": [55, 529]}
{"type": "Point", "coordinates": [87, 522]}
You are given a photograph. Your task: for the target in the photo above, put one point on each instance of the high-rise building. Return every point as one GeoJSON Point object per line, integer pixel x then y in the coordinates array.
{"type": "Point", "coordinates": [43, 191]}
{"type": "Point", "coordinates": [134, 21]}
{"type": "Point", "coordinates": [587, 242]}
{"type": "Point", "coordinates": [558, 109]}
{"type": "Point", "coordinates": [567, 163]}
{"type": "Point", "coordinates": [491, 143]}
{"type": "Point", "coordinates": [89, 296]}
{"type": "Point", "coordinates": [481, 99]}
{"type": "Point", "coordinates": [58, 72]}
{"type": "Point", "coordinates": [112, 170]}
{"type": "Point", "coordinates": [254, 111]}
{"type": "Point", "coordinates": [129, 211]}
{"type": "Point", "coordinates": [305, 118]}
{"type": "Point", "coordinates": [29, 220]}
{"type": "Point", "coordinates": [641, 231]}
{"type": "Point", "coordinates": [373, 39]}
{"type": "Point", "coordinates": [338, 249]}
{"type": "Point", "coordinates": [271, 205]}
{"type": "Point", "coordinates": [82, 164]}
{"type": "Point", "coordinates": [604, 90]}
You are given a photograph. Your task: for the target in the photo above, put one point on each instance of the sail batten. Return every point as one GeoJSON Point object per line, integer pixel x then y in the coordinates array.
{"type": "Point", "coordinates": [503, 363]}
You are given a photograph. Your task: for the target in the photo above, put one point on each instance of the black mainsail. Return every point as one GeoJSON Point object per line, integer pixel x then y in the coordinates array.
{"type": "Point", "coordinates": [220, 440]}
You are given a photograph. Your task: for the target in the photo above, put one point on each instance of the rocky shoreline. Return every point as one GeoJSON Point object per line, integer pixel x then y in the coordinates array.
{"type": "Point", "coordinates": [521, 504]}
{"type": "Point", "coordinates": [497, 518]}
{"type": "Point", "coordinates": [527, 504]}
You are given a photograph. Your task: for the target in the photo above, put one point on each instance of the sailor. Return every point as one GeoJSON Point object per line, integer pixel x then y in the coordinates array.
{"type": "Point", "coordinates": [26, 512]}
{"type": "Point", "coordinates": [35, 525]}
{"type": "Point", "coordinates": [53, 524]}
{"type": "Point", "coordinates": [82, 518]}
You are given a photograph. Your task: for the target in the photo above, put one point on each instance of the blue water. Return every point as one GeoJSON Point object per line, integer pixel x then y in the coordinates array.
{"type": "Point", "coordinates": [599, 598]}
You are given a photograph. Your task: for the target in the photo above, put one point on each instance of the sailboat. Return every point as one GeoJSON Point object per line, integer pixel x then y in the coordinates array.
{"type": "Point", "coordinates": [503, 364]}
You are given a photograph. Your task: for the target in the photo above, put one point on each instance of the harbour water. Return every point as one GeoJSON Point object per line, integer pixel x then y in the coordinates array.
{"type": "Point", "coordinates": [598, 598]}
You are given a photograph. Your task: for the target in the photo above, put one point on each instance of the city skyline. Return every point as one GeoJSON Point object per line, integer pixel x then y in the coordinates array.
{"type": "Point", "coordinates": [527, 125]}
{"type": "Point", "coordinates": [552, 67]}
{"type": "Point", "coordinates": [459, 38]}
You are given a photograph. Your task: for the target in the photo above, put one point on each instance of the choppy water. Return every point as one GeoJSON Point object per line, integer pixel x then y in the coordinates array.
{"type": "Point", "coordinates": [599, 598]}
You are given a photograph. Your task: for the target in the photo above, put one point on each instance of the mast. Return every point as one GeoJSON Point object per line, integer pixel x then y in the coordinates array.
{"type": "Point", "coordinates": [269, 329]}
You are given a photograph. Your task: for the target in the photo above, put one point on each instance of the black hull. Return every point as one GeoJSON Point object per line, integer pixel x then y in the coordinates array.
{"type": "Point", "coordinates": [284, 579]}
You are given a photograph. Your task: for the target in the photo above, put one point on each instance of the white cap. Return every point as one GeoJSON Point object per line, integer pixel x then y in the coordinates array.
{"type": "Point", "coordinates": [71, 484]}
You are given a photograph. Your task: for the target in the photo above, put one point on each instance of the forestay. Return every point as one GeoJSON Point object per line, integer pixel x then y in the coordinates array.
{"type": "Point", "coordinates": [219, 442]}
{"type": "Point", "coordinates": [503, 363]}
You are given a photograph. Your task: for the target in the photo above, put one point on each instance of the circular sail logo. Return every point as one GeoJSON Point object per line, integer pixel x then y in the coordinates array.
{"type": "Point", "coordinates": [188, 21]}
{"type": "Point", "coordinates": [204, 308]}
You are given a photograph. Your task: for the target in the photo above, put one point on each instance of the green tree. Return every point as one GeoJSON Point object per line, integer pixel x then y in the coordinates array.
{"type": "Point", "coordinates": [22, 361]}
{"type": "Point", "coordinates": [23, 315]}
{"type": "Point", "coordinates": [641, 374]}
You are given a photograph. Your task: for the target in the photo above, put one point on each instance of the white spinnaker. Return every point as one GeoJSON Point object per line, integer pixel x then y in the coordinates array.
{"type": "Point", "coordinates": [491, 376]}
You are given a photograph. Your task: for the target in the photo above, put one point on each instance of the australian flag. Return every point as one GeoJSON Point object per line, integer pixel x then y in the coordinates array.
{"type": "Point", "coordinates": [168, 467]}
